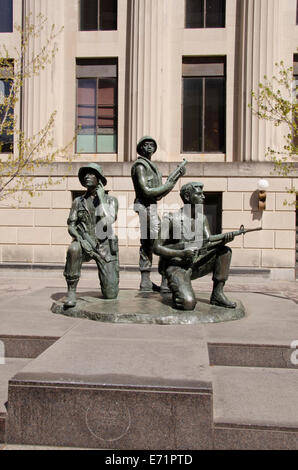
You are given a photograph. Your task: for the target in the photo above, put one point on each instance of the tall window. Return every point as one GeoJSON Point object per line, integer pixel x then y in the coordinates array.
{"type": "Point", "coordinates": [97, 105]}
{"type": "Point", "coordinates": [203, 104]}
{"type": "Point", "coordinates": [205, 13]}
{"type": "Point", "coordinates": [98, 15]}
{"type": "Point", "coordinates": [6, 112]}
{"type": "Point", "coordinates": [6, 14]}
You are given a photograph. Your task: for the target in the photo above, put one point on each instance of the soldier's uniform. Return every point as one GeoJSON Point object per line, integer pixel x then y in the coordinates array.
{"type": "Point", "coordinates": [146, 208]}
{"type": "Point", "coordinates": [180, 272]}
{"type": "Point", "coordinates": [93, 238]}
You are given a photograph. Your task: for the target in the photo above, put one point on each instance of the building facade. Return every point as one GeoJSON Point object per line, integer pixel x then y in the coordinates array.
{"type": "Point", "coordinates": [181, 71]}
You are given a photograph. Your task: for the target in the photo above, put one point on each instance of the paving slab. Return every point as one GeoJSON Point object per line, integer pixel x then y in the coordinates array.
{"type": "Point", "coordinates": [27, 326]}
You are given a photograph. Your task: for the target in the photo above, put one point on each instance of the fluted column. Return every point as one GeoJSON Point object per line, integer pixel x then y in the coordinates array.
{"type": "Point", "coordinates": [259, 50]}
{"type": "Point", "coordinates": [42, 93]}
{"type": "Point", "coordinates": [148, 73]}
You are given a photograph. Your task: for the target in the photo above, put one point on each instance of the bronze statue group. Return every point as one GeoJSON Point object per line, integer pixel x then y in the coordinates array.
{"type": "Point", "coordinates": [182, 239]}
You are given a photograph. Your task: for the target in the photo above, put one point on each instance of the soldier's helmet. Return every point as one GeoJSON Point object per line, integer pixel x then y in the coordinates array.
{"type": "Point", "coordinates": [93, 168]}
{"type": "Point", "coordinates": [142, 140]}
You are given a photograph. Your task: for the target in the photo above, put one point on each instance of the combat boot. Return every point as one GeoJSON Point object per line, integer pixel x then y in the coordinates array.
{"type": "Point", "coordinates": [219, 298]}
{"type": "Point", "coordinates": [71, 294]}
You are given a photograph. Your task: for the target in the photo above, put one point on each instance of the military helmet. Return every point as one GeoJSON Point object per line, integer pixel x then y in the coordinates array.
{"type": "Point", "coordinates": [142, 140]}
{"type": "Point", "coordinates": [94, 168]}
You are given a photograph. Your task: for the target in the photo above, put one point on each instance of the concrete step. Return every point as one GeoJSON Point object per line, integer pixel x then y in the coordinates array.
{"type": "Point", "coordinates": [255, 408]}
{"type": "Point", "coordinates": [7, 371]}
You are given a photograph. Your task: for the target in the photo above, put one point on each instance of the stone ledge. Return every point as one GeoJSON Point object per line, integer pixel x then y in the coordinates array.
{"type": "Point", "coordinates": [204, 169]}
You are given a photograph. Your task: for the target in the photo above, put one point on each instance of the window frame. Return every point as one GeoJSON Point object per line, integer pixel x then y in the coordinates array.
{"type": "Point", "coordinates": [205, 17]}
{"type": "Point", "coordinates": [204, 60]}
{"type": "Point", "coordinates": [98, 19]}
{"type": "Point", "coordinates": [115, 106]}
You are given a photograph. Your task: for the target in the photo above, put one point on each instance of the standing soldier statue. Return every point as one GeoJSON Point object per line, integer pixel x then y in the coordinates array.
{"type": "Point", "coordinates": [90, 224]}
{"type": "Point", "coordinates": [149, 189]}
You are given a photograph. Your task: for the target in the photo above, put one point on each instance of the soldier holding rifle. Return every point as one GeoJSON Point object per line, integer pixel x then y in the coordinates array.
{"type": "Point", "coordinates": [189, 251]}
{"type": "Point", "coordinates": [149, 189]}
{"type": "Point", "coordinates": [90, 224]}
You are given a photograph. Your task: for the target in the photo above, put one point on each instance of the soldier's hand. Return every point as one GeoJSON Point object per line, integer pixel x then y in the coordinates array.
{"type": "Point", "coordinates": [101, 193]}
{"type": "Point", "coordinates": [189, 253]}
{"type": "Point", "coordinates": [86, 246]}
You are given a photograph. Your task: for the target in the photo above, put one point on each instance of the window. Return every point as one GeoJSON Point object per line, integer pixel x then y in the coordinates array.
{"type": "Point", "coordinates": [6, 14]}
{"type": "Point", "coordinates": [203, 104]}
{"type": "Point", "coordinates": [96, 105]}
{"type": "Point", "coordinates": [205, 13]}
{"type": "Point", "coordinates": [98, 15]}
{"type": "Point", "coordinates": [6, 136]}
{"type": "Point", "coordinates": [213, 211]}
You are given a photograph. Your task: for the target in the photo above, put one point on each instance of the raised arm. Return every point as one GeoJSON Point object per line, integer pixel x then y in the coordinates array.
{"type": "Point", "coordinates": [158, 192]}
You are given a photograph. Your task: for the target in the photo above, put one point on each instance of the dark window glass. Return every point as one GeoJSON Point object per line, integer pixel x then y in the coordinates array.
{"type": "Point", "coordinates": [194, 14]}
{"type": "Point", "coordinates": [98, 15]}
{"type": "Point", "coordinates": [213, 211]}
{"type": "Point", "coordinates": [6, 137]}
{"type": "Point", "coordinates": [192, 114]}
{"type": "Point", "coordinates": [6, 16]}
{"type": "Point", "coordinates": [214, 114]}
{"type": "Point", "coordinates": [203, 110]}
{"type": "Point", "coordinates": [97, 106]}
{"type": "Point", "coordinates": [205, 13]}
{"type": "Point", "coordinates": [108, 15]}
{"type": "Point", "coordinates": [89, 15]}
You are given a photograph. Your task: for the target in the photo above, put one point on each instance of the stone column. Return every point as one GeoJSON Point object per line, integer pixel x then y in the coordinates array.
{"type": "Point", "coordinates": [42, 93]}
{"type": "Point", "coordinates": [259, 50]}
{"type": "Point", "coordinates": [148, 69]}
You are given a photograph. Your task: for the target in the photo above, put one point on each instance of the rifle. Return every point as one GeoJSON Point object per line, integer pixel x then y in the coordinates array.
{"type": "Point", "coordinates": [179, 171]}
{"type": "Point", "coordinates": [216, 239]}
{"type": "Point", "coordinates": [241, 231]}
{"type": "Point", "coordinates": [97, 252]}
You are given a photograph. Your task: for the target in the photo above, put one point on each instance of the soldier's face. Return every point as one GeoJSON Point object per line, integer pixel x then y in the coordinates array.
{"type": "Point", "coordinates": [90, 180]}
{"type": "Point", "coordinates": [148, 148]}
{"type": "Point", "coordinates": [197, 195]}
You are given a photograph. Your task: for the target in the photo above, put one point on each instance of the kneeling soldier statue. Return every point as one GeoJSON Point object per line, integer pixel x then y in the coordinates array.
{"type": "Point", "coordinates": [90, 224]}
{"type": "Point", "coordinates": [189, 251]}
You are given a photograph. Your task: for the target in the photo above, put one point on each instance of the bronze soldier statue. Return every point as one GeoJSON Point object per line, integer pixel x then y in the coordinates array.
{"type": "Point", "coordinates": [189, 251]}
{"type": "Point", "coordinates": [149, 189]}
{"type": "Point", "coordinates": [90, 224]}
